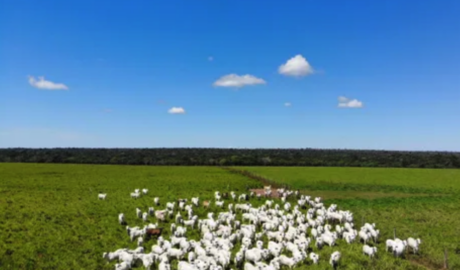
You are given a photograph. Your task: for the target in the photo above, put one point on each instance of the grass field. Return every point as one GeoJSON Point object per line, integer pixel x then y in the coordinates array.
{"type": "Point", "coordinates": [50, 217]}
{"type": "Point", "coordinates": [417, 202]}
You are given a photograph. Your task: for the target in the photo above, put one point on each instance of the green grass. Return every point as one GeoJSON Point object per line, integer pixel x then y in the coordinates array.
{"type": "Point", "coordinates": [50, 217]}
{"type": "Point", "coordinates": [421, 203]}
{"type": "Point", "coordinates": [364, 179]}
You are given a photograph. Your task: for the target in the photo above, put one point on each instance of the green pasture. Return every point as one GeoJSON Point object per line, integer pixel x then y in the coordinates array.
{"type": "Point", "coordinates": [422, 203]}
{"type": "Point", "coordinates": [50, 217]}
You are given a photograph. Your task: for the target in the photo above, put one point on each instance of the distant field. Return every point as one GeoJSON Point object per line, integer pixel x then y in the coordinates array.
{"type": "Point", "coordinates": [421, 202]}
{"type": "Point", "coordinates": [364, 179]}
{"type": "Point", "coordinates": [50, 217]}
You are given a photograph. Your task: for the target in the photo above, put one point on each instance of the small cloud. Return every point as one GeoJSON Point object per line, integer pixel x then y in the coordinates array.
{"type": "Point", "coordinates": [234, 80]}
{"type": "Point", "coordinates": [287, 104]}
{"type": "Point", "coordinates": [41, 83]}
{"type": "Point", "coordinates": [343, 99]}
{"type": "Point", "coordinates": [349, 103]}
{"type": "Point", "coordinates": [297, 66]}
{"type": "Point", "coordinates": [176, 110]}
{"type": "Point", "coordinates": [210, 58]}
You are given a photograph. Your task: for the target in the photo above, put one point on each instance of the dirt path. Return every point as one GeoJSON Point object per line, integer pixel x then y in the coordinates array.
{"type": "Point", "coordinates": [263, 180]}
{"type": "Point", "coordinates": [424, 263]}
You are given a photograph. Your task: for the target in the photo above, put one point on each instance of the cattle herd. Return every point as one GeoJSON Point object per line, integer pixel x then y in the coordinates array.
{"type": "Point", "coordinates": [233, 233]}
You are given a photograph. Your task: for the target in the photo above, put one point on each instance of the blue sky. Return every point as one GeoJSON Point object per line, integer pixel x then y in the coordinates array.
{"type": "Point", "coordinates": [114, 70]}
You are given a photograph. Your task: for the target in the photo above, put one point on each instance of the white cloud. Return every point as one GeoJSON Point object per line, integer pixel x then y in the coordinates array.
{"type": "Point", "coordinates": [234, 80]}
{"type": "Point", "coordinates": [343, 99]}
{"type": "Point", "coordinates": [41, 83]}
{"type": "Point", "coordinates": [297, 66]}
{"type": "Point", "coordinates": [176, 110]}
{"type": "Point", "coordinates": [210, 58]}
{"type": "Point", "coordinates": [349, 103]}
{"type": "Point", "coordinates": [287, 104]}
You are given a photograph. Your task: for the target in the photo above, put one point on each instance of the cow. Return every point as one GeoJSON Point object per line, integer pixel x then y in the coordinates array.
{"type": "Point", "coordinates": [153, 232]}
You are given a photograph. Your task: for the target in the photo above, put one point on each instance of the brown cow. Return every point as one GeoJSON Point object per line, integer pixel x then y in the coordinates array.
{"type": "Point", "coordinates": [153, 232]}
{"type": "Point", "coordinates": [206, 204]}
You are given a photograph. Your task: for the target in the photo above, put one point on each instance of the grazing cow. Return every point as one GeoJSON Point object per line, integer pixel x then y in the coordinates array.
{"type": "Point", "coordinates": [154, 232]}
{"type": "Point", "coordinates": [206, 204]}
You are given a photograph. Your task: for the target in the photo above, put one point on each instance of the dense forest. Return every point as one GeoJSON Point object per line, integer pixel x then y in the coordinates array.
{"type": "Point", "coordinates": [234, 157]}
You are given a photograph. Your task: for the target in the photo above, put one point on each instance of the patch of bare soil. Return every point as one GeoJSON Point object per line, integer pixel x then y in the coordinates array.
{"type": "Point", "coordinates": [261, 191]}
{"type": "Point", "coordinates": [424, 263]}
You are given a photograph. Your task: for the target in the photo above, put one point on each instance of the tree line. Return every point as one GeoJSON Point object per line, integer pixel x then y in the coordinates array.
{"type": "Point", "coordinates": [234, 157]}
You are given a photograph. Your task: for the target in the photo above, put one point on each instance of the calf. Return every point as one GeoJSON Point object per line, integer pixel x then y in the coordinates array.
{"type": "Point", "coordinates": [206, 204]}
